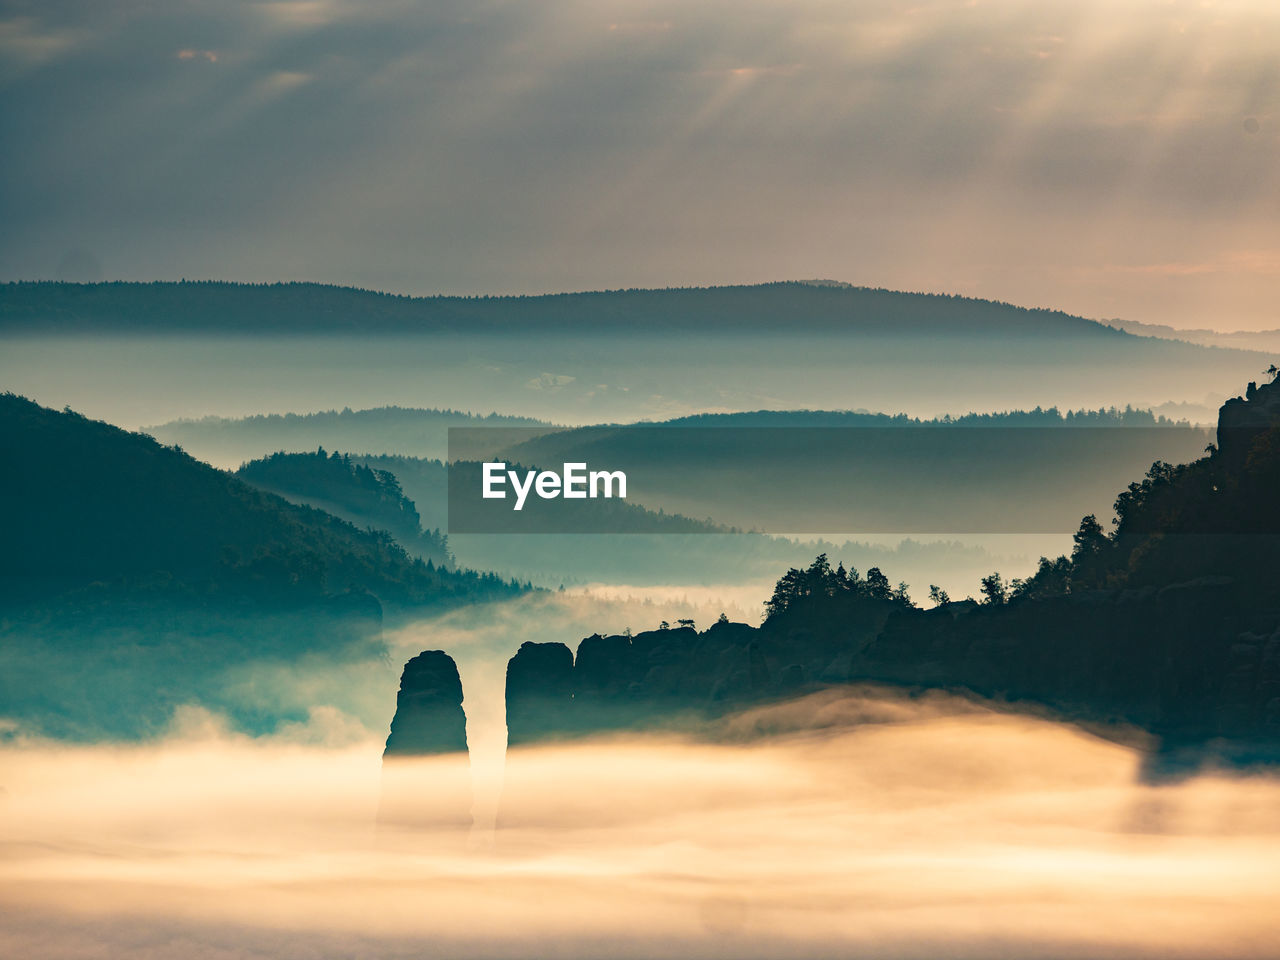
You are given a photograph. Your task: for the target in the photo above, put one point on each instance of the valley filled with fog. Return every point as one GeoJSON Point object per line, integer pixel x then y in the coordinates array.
{"type": "Point", "coordinates": [899, 828]}
{"type": "Point", "coordinates": [921, 361]}
{"type": "Point", "coordinates": [188, 770]}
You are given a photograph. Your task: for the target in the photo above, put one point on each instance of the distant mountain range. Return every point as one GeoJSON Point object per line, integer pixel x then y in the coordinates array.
{"type": "Point", "coordinates": [782, 308]}
{"type": "Point", "coordinates": [1068, 461]}
{"type": "Point", "coordinates": [417, 433]}
{"type": "Point", "coordinates": [416, 491]}
{"type": "Point", "coordinates": [592, 357]}
{"type": "Point", "coordinates": [821, 471]}
{"type": "Point", "coordinates": [1264, 341]}
{"type": "Point", "coordinates": [413, 432]}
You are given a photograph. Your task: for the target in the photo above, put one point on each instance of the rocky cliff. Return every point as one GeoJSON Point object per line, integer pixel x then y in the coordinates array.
{"type": "Point", "coordinates": [1243, 420]}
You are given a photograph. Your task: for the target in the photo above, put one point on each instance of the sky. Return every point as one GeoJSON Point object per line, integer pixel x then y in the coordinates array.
{"type": "Point", "coordinates": [1113, 159]}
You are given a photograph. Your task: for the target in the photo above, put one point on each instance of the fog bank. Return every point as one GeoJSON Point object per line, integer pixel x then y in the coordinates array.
{"type": "Point", "coordinates": [901, 828]}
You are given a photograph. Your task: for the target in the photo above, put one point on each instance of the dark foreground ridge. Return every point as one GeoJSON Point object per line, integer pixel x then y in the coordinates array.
{"type": "Point", "coordinates": [1171, 623]}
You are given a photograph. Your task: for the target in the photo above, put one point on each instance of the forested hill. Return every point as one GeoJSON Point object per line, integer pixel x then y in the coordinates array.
{"type": "Point", "coordinates": [366, 496]}
{"type": "Point", "coordinates": [1038, 417]}
{"type": "Point", "coordinates": [786, 307]}
{"type": "Point", "coordinates": [86, 502]}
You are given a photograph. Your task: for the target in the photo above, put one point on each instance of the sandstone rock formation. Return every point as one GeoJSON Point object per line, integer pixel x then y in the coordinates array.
{"type": "Point", "coordinates": [539, 693]}
{"type": "Point", "coordinates": [426, 774]}
{"type": "Point", "coordinates": [429, 717]}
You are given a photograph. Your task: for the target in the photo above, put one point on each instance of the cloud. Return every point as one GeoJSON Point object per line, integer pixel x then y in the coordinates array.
{"type": "Point", "coordinates": [905, 828]}
{"type": "Point", "coordinates": [550, 382]}
{"type": "Point", "coordinates": [285, 81]}
{"type": "Point", "coordinates": [303, 14]}
{"type": "Point", "coordinates": [25, 41]}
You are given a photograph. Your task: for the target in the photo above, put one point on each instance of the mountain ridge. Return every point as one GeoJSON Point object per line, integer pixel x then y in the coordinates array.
{"type": "Point", "coordinates": [224, 306]}
{"type": "Point", "coordinates": [1262, 341]}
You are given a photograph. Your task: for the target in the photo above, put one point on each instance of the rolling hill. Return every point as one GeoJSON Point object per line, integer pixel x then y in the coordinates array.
{"type": "Point", "coordinates": [782, 308]}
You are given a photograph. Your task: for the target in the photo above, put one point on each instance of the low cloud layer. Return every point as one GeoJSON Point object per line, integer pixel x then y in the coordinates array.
{"type": "Point", "coordinates": [903, 829]}
{"type": "Point", "coordinates": [1110, 159]}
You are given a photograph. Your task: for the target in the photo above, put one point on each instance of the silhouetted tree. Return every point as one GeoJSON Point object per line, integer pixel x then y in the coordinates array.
{"type": "Point", "coordinates": [878, 585]}
{"type": "Point", "coordinates": [815, 586]}
{"type": "Point", "coordinates": [994, 591]}
{"type": "Point", "coordinates": [1089, 539]}
{"type": "Point", "coordinates": [1051, 579]}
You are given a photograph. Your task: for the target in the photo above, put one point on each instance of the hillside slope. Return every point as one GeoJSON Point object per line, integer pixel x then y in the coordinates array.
{"type": "Point", "coordinates": [84, 501]}
{"type": "Point", "coordinates": [368, 497]}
